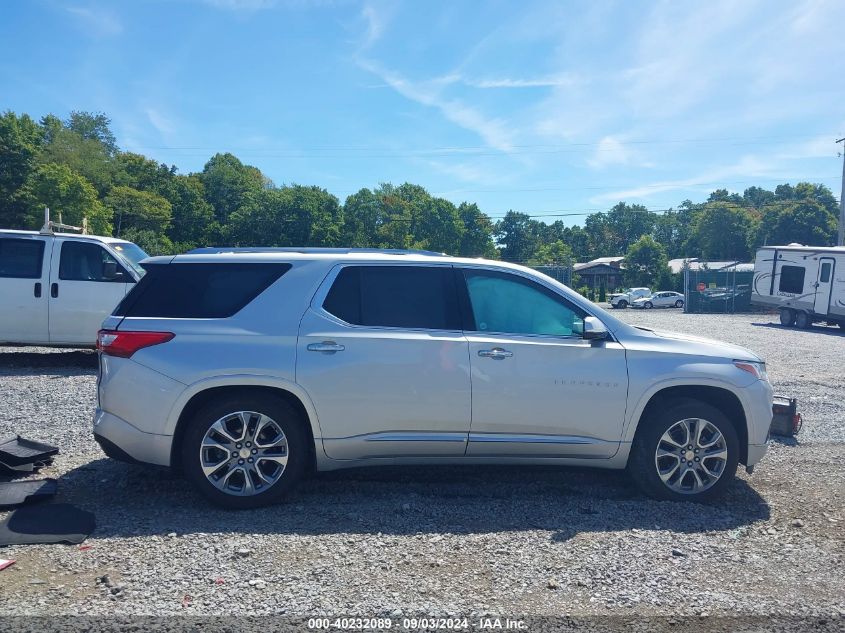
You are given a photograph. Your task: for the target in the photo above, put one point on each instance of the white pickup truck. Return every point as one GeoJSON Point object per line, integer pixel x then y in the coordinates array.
{"type": "Point", "coordinates": [628, 296]}
{"type": "Point", "coordinates": [57, 288]}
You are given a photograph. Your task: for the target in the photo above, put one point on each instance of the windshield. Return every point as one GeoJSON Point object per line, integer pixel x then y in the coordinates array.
{"type": "Point", "coordinates": [130, 254]}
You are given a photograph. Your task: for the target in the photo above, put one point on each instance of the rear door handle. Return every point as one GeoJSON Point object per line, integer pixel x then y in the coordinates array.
{"type": "Point", "coordinates": [54, 290]}
{"type": "Point", "coordinates": [37, 290]}
{"type": "Point", "coordinates": [326, 346]}
{"type": "Point", "coordinates": [496, 353]}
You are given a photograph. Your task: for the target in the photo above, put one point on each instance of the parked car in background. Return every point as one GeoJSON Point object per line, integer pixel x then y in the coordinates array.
{"type": "Point", "coordinates": [625, 298]}
{"type": "Point", "coordinates": [662, 299]}
{"type": "Point", "coordinates": [246, 369]}
{"type": "Point", "coordinates": [56, 288]}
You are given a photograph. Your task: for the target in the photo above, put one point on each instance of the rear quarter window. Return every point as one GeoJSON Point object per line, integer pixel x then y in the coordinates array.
{"type": "Point", "coordinates": [198, 291]}
{"type": "Point", "coordinates": [21, 258]}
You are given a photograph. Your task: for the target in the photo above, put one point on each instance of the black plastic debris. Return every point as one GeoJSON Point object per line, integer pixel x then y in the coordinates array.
{"type": "Point", "coordinates": [16, 493]}
{"type": "Point", "coordinates": [45, 524]}
{"type": "Point", "coordinates": [17, 452]}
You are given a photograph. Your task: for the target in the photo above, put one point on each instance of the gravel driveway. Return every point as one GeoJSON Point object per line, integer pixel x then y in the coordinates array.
{"type": "Point", "coordinates": [459, 540]}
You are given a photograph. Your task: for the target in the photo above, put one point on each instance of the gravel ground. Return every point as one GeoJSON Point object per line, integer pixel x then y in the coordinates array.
{"type": "Point", "coordinates": [458, 540]}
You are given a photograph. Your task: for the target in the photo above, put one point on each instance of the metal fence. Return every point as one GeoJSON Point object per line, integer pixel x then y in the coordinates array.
{"type": "Point", "coordinates": [562, 273]}
{"type": "Point", "coordinates": [717, 291]}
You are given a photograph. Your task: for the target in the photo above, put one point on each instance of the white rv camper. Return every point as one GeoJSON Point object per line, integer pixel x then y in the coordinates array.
{"type": "Point", "coordinates": [805, 283]}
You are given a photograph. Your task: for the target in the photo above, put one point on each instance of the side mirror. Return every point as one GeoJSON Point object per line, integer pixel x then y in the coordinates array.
{"type": "Point", "coordinates": [110, 271]}
{"type": "Point", "coordinates": [594, 330]}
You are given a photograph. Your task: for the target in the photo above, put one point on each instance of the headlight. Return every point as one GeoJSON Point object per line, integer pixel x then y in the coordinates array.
{"type": "Point", "coordinates": [758, 370]}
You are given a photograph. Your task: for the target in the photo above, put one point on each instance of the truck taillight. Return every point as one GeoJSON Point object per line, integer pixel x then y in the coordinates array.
{"type": "Point", "coordinates": [124, 344]}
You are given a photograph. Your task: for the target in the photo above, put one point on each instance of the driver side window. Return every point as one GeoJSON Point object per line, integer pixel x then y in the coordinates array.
{"type": "Point", "coordinates": [511, 304]}
{"type": "Point", "coordinates": [84, 261]}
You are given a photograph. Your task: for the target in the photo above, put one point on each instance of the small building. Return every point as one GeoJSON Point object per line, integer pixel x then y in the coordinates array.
{"type": "Point", "coordinates": [603, 272]}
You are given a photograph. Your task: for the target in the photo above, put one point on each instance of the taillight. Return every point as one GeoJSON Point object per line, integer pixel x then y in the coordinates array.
{"type": "Point", "coordinates": [124, 344]}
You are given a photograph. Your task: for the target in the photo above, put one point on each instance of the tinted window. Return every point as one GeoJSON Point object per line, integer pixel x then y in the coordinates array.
{"type": "Point", "coordinates": [791, 279]}
{"type": "Point", "coordinates": [198, 291]}
{"type": "Point", "coordinates": [86, 261]}
{"type": "Point", "coordinates": [824, 277]}
{"type": "Point", "coordinates": [395, 296]}
{"type": "Point", "coordinates": [21, 258]}
{"type": "Point", "coordinates": [508, 303]}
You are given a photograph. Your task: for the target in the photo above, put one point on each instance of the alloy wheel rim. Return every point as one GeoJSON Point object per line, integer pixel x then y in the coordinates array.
{"type": "Point", "coordinates": [691, 456]}
{"type": "Point", "coordinates": [244, 453]}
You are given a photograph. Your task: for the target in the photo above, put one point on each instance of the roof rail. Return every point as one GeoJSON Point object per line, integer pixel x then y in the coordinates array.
{"type": "Point", "coordinates": [210, 250]}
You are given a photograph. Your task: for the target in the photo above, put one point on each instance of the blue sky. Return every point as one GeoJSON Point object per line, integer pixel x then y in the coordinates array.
{"type": "Point", "coordinates": [541, 107]}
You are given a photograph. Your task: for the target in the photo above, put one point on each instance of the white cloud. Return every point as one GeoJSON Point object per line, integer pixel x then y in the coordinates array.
{"type": "Point", "coordinates": [100, 22]}
{"type": "Point", "coordinates": [162, 124]}
{"type": "Point", "coordinates": [610, 151]}
{"type": "Point", "coordinates": [494, 132]}
{"type": "Point", "coordinates": [564, 79]}
{"type": "Point", "coordinates": [375, 25]}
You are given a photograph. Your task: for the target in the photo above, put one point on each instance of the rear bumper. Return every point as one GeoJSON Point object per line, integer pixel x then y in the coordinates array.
{"type": "Point", "coordinates": [120, 440]}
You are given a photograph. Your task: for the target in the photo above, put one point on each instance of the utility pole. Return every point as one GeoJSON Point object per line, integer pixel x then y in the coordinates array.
{"type": "Point", "coordinates": [841, 241]}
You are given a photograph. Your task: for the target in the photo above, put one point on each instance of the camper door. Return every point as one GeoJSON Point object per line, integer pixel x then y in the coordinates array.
{"type": "Point", "coordinates": [824, 285]}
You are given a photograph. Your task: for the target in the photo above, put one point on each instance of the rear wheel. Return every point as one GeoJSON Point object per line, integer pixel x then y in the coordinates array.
{"type": "Point", "coordinates": [245, 452]}
{"type": "Point", "coordinates": [802, 320]}
{"type": "Point", "coordinates": [689, 451]}
{"type": "Point", "coordinates": [679, 303]}
{"type": "Point", "coordinates": [787, 316]}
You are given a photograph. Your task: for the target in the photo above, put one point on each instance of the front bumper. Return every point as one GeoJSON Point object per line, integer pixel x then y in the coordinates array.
{"type": "Point", "coordinates": [121, 440]}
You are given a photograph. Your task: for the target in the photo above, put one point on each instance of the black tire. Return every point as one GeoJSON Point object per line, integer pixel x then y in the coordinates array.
{"type": "Point", "coordinates": [679, 303]}
{"type": "Point", "coordinates": [802, 320]}
{"type": "Point", "coordinates": [282, 413]}
{"type": "Point", "coordinates": [642, 464]}
{"type": "Point", "coordinates": [648, 305]}
{"type": "Point", "coordinates": [787, 317]}
{"type": "Point", "coordinates": [622, 304]}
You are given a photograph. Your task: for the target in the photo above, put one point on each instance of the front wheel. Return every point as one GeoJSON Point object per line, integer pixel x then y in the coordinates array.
{"type": "Point", "coordinates": [245, 451]}
{"type": "Point", "coordinates": [787, 317]}
{"type": "Point", "coordinates": [648, 305]}
{"type": "Point", "coordinates": [622, 304]}
{"type": "Point", "coordinates": [688, 451]}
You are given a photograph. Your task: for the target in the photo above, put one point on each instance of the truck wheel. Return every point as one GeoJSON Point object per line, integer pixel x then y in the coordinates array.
{"type": "Point", "coordinates": [688, 451]}
{"type": "Point", "coordinates": [787, 316]}
{"type": "Point", "coordinates": [245, 451]}
{"type": "Point", "coordinates": [622, 304]}
{"type": "Point", "coordinates": [802, 320]}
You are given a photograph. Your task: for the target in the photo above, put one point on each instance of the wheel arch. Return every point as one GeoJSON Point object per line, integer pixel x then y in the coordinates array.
{"type": "Point", "coordinates": [717, 396]}
{"type": "Point", "coordinates": [192, 402]}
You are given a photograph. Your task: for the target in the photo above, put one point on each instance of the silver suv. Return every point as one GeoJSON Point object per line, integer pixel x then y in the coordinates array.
{"type": "Point", "coordinates": [245, 369]}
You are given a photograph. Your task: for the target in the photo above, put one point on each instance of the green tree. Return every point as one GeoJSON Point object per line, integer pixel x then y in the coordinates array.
{"type": "Point", "coordinates": [141, 210]}
{"type": "Point", "coordinates": [228, 183]}
{"type": "Point", "coordinates": [722, 230]}
{"type": "Point", "coordinates": [85, 156]}
{"type": "Point", "coordinates": [477, 237]}
{"type": "Point", "coordinates": [93, 126]}
{"type": "Point", "coordinates": [625, 223]}
{"type": "Point", "coordinates": [645, 263]}
{"type": "Point", "coordinates": [20, 141]}
{"type": "Point", "coordinates": [557, 253]}
{"type": "Point", "coordinates": [192, 214]}
{"type": "Point", "coordinates": [517, 235]}
{"type": "Point", "coordinates": [67, 193]}
{"type": "Point", "coordinates": [806, 222]}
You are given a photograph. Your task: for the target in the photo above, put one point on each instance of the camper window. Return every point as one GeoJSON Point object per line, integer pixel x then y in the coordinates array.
{"type": "Point", "coordinates": [824, 277]}
{"type": "Point", "coordinates": [791, 279]}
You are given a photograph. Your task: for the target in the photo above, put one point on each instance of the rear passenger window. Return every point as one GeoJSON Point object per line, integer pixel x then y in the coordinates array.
{"type": "Point", "coordinates": [198, 291]}
{"type": "Point", "coordinates": [791, 279]}
{"type": "Point", "coordinates": [21, 259]}
{"type": "Point", "coordinates": [416, 297]}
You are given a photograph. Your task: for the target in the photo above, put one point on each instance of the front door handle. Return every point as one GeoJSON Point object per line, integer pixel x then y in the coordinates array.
{"type": "Point", "coordinates": [326, 346]}
{"type": "Point", "coordinates": [496, 353]}
{"type": "Point", "coordinates": [54, 290]}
